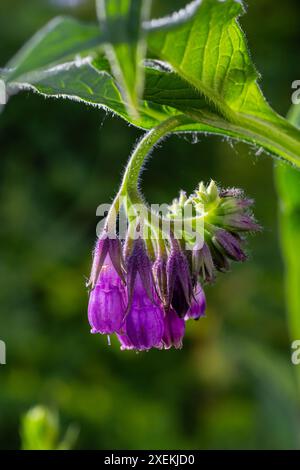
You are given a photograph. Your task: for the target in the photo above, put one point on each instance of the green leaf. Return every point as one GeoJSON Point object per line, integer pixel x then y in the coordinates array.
{"type": "Point", "coordinates": [121, 20]}
{"type": "Point", "coordinates": [174, 20]}
{"type": "Point", "coordinates": [63, 38]}
{"type": "Point", "coordinates": [288, 186]}
{"type": "Point", "coordinates": [59, 40]}
{"type": "Point", "coordinates": [213, 80]}
{"type": "Point", "coordinates": [168, 89]}
{"type": "Point", "coordinates": [165, 95]}
{"type": "Point", "coordinates": [211, 54]}
{"type": "Point", "coordinates": [90, 83]}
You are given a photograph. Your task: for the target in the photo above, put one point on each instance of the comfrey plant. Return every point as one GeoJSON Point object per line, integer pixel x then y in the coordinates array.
{"type": "Point", "coordinates": [145, 289]}
{"type": "Point", "coordinates": [190, 72]}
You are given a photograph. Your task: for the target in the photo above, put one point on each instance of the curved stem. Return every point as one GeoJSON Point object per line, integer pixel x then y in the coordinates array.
{"type": "Point", "coordinates": [144, 147]}
{"type": "Point", "coordinates": [129, 186]}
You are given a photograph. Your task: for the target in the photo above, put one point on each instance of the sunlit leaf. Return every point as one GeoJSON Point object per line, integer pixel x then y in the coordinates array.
{"type": "Point", "coordinates": [85, 83]}
{"type": "Point", "coordinates": [122, 20]}
{"type": "Point", "coordinates": [210, 52]}
{"type": "Point", "coordinates": [175, 19]}
{"type": "Point", "coordinates": [166, 94]}
{"type": "Point", "coordinates": [213, 80]}
{"type": "Point", "coordinates": [59, 40]}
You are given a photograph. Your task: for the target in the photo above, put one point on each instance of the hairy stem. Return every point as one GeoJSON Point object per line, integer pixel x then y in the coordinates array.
{"type": "Point", "coordinates": [144, 147]}
{"type": "Point", "coordinates": [129, 187]}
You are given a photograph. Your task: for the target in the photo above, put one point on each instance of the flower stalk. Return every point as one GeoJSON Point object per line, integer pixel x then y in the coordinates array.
{"type": "Point", "coordinates": [145, 288]}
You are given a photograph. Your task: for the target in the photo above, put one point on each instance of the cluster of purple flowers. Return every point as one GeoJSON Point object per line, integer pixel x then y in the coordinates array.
{"type": "Point", "coordinates": [128, 299]}
{"type": "Point", "coordinates": [146, 301]}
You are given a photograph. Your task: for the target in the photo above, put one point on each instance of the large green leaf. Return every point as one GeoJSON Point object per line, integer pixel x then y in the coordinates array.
{"type": "Point", "coordinates": [211, 54]}
{"type": "Point", "coordinates": [165, 94]}
{"type": "Point", "coordinates": [169, 89]}
{"type": "Point", "coordinates": [63, 39]}
{"type": "Point", "coordinates": [92, 84]}
{"type": "Point", "coordinates": [288, 185]}
{"type": "Point", "coordinates": [213, 82]}
{"type": "Point", "coordinates": [59, 40]}
{"type": "Point", "coordinates": [122, 20]}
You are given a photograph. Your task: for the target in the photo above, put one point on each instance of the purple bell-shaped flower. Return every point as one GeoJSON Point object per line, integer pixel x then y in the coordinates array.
{"type": "Point", "coordinates": [174, 329]}
{"type": "Point", "coordinates": [107, 303]}
{"type": "Point", "coordinates": [107, 245]}
{"type": "Point", "coordinates": [144, 323]}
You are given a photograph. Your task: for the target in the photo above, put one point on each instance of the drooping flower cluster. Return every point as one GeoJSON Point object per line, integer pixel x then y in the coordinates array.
{"type": "Point", "coordinates": [147, 300]}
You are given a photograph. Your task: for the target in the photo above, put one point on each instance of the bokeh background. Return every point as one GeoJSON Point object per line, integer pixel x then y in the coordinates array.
{"type": "Point", "coordinates": [232, 386]}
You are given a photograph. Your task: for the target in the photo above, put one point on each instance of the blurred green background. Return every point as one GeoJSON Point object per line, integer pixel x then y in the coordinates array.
{"type": "Point", "coordinates": [232, 386]}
